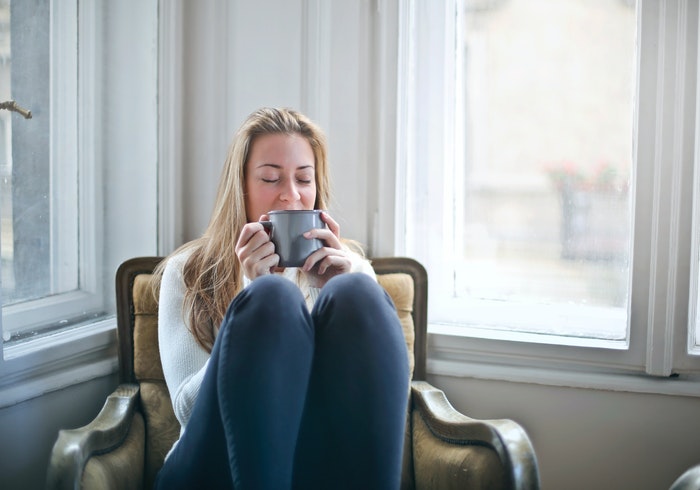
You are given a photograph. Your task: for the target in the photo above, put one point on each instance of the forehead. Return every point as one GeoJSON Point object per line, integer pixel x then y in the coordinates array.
{"type": "Point", "coordinates": [281, 149]}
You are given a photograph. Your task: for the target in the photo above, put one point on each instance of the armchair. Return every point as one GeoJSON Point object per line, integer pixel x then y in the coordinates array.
{"type": "Point", "coordinates": [689, 480]}
{"type": "Point", "coordinates": [124, 446]}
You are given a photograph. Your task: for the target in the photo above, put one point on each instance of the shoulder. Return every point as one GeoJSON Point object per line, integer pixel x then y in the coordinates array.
{"type": "Point", "coordinates": [172, 269]}
{"type": "Point", "coordinates": [175, 262]}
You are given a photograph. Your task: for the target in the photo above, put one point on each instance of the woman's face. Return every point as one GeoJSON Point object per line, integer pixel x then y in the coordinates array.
{"type": "Point", "coordinates": [280, 174]}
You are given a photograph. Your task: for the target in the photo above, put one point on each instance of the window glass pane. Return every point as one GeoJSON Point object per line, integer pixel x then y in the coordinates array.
{"type": "Point", "coordinates": [547, 138]}
{"type": "Point", "coordinates": [41, 285]}
{"type": "Point", "coordinates": [26, 210]}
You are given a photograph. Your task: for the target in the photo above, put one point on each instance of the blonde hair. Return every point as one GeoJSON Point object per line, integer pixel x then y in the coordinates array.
{"type": "Point", "coordinates": [212, 273]}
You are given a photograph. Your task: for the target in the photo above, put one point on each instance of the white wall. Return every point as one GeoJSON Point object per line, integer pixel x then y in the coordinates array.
{"type": "Point", "coordinates": [309, 55]}
{"type": "Point", "coordinates": [29, 429]}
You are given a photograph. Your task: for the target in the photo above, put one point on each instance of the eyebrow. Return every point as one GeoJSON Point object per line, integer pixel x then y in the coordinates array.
{"type": "Point", "coordinates": [274, 165]}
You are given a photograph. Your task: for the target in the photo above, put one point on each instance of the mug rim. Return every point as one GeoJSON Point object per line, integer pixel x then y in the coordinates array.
{"type": "Point", "coordinates": [295, 211]}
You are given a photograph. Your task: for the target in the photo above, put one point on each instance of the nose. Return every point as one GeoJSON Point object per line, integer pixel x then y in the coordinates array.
{"type": "Point", "coordinates": [289, 193]}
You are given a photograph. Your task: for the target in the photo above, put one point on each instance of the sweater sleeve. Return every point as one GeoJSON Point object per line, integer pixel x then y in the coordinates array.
{"type": "Point", "coordinates": [184, 360]}
{"type": "Point", "coordinates": [361, 264]}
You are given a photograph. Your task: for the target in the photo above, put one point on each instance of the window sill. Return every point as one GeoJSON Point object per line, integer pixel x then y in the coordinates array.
{"type": "Point", "coordinates": [458, 355]}
{"type": "Point", "coordinates": [54, 361]}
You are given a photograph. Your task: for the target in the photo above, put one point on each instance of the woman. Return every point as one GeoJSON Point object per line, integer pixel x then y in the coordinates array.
{"type": "Point", "coordinates": [280, 378]}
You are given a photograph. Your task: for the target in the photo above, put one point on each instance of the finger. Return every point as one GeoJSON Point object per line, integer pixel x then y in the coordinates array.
{"type": "Point", "coordinates": [331, 223]}
{"type": "Point", "coordinates": [324, 235]}
{"type": "Point", "coordinates": [258, 265]}
{"type": "Point", "coordinates": [255, 251]}
{"type": "Point", "coordinates": [262, 252]}
{"type": "Point", "coordinates": [268, 264]}
{"type": "Point", "coordinates": [264, 218]}
{"type": "Point", "coordinates": [248, 243]}
{"type": "Point", "coordinates": [312, 259]}
{"type": "Point", "coordinates": [247, 232]}
{"type": "Point", "coordinates": [320, 255]}
{"type": "Point", "coordinates": [335, 262]}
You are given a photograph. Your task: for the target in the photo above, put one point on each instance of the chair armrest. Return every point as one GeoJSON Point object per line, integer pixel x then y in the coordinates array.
{"type": "Point", "coordinates": [689, 480]}
{"type": "Point", "coordinates": [106, 432]}
{"type": "Point", "coordinates": [507, 439]}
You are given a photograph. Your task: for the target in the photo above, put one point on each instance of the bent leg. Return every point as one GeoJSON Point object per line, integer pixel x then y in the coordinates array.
{"type": "Point", "coordinates": [245, 423]}
{"type": "Point", "coordinates": [268, 355]}
{"type": "Point", "coordinates": [200, 458]}
{"type": "Point", "coordinates": [353, 429]}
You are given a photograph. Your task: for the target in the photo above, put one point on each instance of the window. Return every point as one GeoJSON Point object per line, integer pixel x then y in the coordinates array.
{"type": "Point", "coordinates": [79, 181]}
{"type": "Point", "coordinates": [47, 276]}
{"type": "Point", "coordinates": [545, 150]}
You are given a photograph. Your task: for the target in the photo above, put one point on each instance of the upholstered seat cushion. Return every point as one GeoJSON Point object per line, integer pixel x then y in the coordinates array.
{"type": "Point", "coordinates": [400, 288]}
{"type": "Point", "coordinates": [146, 354]}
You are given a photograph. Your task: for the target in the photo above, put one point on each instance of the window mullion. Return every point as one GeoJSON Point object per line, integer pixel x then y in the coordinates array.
{"type": "Point", "coordinates": [693, 337]}
{"type": "Point", "coordinates": [64, 154]}
{"type": "Point", "coordinates": [89, 149]}
{"type": "Point", "coordinates": [664, 156]}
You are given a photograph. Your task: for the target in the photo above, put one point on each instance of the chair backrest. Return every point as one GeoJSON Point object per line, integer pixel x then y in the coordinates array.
{"type": "Point", "coordinates": [411, 299]}
{"type": "Point", "coordinates": [139, 358]}
{"type": "Point", "coordinates": [392, 267]}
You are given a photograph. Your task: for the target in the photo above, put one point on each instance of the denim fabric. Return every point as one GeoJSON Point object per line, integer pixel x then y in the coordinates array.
{"type": "Point", "coordinates": [293, 399]}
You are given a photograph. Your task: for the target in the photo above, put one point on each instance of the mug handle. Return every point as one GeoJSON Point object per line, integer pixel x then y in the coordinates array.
{"type": "Point", "coordinates": [267, 225]}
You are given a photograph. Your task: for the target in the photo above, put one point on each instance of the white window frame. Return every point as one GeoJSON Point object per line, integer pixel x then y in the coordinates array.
{"type": "Point", "coordinates": [693, 333]}
{"type": "Point", "coordinates": [658, 358]}
{"type": "Point", "coordinates": [72, 153]}
{"type": "Point", "coordinates": [114, 225]}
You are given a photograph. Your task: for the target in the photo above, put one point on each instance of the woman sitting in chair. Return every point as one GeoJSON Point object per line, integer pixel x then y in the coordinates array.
{"type": "Point", "coordinates": [280, 378]}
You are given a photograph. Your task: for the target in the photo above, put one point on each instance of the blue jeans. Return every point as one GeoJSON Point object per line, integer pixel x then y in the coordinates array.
{"type": "Point", "coordinates": [293, 399]}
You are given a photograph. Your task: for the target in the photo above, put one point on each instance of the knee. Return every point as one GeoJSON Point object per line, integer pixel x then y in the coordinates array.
{"type": "Point", "coordinates": [354, 287]}
{"type": "Point", "coordinates": [271, 288]}
{"type": "Point", "coordinates": [355, 294]}
{"type": "Point", "coordinates": [354, 312]}
{"type": "Point", "coordinates": [265, 296]}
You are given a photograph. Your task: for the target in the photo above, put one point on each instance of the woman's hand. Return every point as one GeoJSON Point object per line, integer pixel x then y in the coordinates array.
{"type": "Point", "coordinates": [328, 261]}
{"type": "Point", "coordinates": [255, 251]}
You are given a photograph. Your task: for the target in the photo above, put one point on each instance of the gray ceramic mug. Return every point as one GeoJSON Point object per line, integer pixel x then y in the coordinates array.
{"type": "Point", "coordinates": [287, 228]}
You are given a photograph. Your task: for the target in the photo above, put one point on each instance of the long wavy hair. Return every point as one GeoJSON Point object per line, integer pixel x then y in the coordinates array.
{"type": "Point", "coordinates": [212, 274]}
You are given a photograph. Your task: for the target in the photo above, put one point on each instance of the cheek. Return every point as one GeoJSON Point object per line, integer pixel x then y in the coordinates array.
{"type": "Point", "coordinates": [308, 198]}
{"type": "Point", "coordinates": [263, 196]}
{"type": "Point", "coordinates": [256, 200]}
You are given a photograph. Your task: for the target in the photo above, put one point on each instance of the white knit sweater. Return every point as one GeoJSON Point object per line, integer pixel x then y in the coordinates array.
{"type": "Point", "coordinates": [184, 360]}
